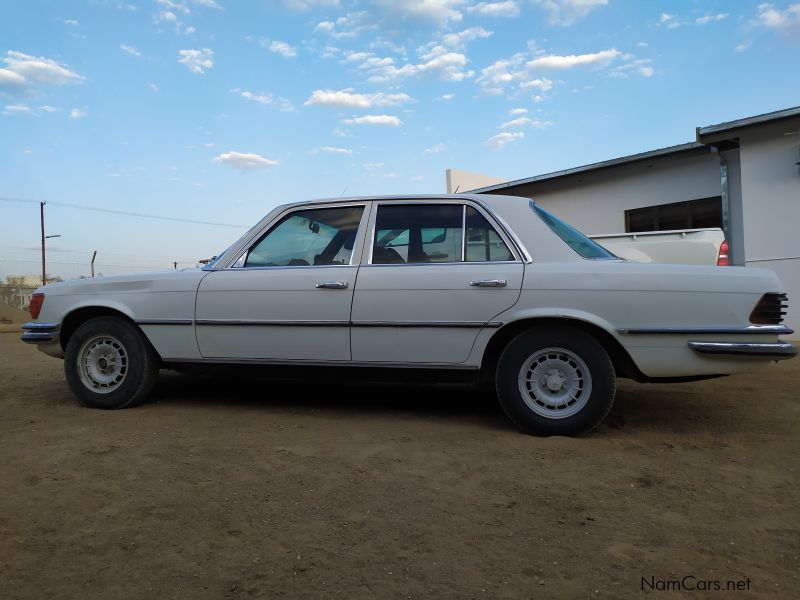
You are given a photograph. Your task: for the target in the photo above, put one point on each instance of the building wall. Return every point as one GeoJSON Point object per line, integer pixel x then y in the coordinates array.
{"type": "Point", "coordinates": [595, 202]}
{"type": "Point", "coordinates": [463, 181]}
{"type": "Point", "coordinates": [771, 205]}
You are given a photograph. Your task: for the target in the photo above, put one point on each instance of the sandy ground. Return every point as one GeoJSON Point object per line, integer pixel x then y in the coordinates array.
{"type": "Point", "coordinates": [245, 489]}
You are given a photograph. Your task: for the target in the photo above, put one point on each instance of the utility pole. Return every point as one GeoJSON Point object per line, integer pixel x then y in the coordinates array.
{"type": "Point", "coordinates": [41, 218]}
{"type": "Point", "coordinates": [93, 257]}
{"type": "Point", "coordinates": [44, 237]}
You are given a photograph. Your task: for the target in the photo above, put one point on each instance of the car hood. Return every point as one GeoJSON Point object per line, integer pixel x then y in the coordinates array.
{"type": "Point", "coordinates": [159, 281]}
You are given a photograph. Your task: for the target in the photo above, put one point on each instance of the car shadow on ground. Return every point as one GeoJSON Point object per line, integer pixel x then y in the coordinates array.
{"type": "Point", "coordinates": [413, 397]}
{"type": "Point", "coordinates": [682, 408]}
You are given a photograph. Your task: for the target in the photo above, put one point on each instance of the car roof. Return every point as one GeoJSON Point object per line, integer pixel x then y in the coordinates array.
{"type": "Point", "coordinates": [483, 198]}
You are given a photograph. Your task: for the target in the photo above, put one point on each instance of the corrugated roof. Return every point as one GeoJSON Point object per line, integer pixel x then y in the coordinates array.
{"type": "Point", "coordinates": [776, 115]}
{"type": "Point", "coordinates": [690, 147]}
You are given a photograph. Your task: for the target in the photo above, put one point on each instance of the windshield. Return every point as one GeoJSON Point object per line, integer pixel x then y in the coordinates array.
{"type": "Point", "coordinates": [575, 239]}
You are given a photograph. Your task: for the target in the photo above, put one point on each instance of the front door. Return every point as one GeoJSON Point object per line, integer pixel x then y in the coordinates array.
{"type": "Point", "coordinates": [436, 274]}
{"type": "Point", "coordinates": [289, 295]}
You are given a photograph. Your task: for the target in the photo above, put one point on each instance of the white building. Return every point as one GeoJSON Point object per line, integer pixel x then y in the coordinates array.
{"type": "Point", "coordinates": [743, 176]}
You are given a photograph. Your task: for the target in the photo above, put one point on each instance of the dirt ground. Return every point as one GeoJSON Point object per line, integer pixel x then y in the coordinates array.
{"type": "Point", "coordinates": [234, 488]}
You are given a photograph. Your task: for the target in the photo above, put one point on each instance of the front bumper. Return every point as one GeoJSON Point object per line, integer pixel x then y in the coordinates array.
{"type": "Point", "coordinates": [768, 350]}
{"type": "Point", "coordinates": [45, 335]}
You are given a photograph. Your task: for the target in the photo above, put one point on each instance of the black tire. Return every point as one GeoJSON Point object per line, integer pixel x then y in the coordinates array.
{"type": "Point", "coordinates": [133, 364]}
{"type": "Point", "coordinates": [535, 416]}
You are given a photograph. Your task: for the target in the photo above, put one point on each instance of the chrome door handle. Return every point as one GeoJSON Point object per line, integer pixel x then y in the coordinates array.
{"type": "Point", "coordinates": [332, 285]}
{"type": "Point", "coordinates": [489, 283]}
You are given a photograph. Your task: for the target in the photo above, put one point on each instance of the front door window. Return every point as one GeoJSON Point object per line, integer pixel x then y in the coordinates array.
{"type": "Point", "coordinates": [322, 236]}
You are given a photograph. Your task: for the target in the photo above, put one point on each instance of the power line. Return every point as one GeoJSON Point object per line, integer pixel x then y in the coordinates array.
{"type": "Point", "coordinates": [122, 212]}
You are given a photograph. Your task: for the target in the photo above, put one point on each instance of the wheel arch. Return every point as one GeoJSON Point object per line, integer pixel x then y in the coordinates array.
{"type": "Point", "coordinates": [624, 366]}
{"type": "Point", "coordinates": [79, 315]}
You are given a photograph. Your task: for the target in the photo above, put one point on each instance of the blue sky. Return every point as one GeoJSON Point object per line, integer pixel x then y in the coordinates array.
{"type": "Point", "coordinates": [215, 110]}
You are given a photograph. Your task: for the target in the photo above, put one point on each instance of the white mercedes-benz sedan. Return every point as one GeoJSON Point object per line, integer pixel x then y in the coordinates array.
{"type": "Point", "coordinates": [493, 286]}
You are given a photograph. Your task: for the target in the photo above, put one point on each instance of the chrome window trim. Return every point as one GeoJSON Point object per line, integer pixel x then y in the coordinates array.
{"type": "Point", "coordinates": [241, 254]}
{"type": "Point", "coordinates": [750, 329]}
{"type": "Point", "coordinates": [487, 214]}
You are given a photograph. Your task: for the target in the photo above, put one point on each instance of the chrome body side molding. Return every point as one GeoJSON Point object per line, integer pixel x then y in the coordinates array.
{"type": "Point", "coordinates": [320, 363]}
{"type": "Point", "coordinates": [773, 351]}
{"type": "Point", "coordinates": [164, 321]}
{"type": "Point", "coordinates": [750, 329]}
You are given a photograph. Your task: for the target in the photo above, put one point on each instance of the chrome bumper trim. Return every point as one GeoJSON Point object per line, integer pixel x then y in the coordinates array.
{"type": "Point", "coordinates": [36, 333]}
{"type": "Point", "coordinates": [750, 329]}
{"type": "Point", "coordinates": [774, 351]}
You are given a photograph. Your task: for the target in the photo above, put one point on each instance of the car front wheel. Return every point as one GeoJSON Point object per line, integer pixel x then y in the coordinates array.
{"type": "Point", "coordinates": [555, 381]}
{"type": "Point", "coordinates": [109, 364]}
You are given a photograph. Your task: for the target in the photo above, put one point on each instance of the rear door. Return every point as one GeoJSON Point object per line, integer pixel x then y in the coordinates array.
{"type": "Point", "coordinates": [434, 274]}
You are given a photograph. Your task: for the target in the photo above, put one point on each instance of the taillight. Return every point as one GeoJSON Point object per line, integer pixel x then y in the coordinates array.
{"type": "Point", "coordinates": [770, 310]}
{"type": "Point", "coordinates": [722, 258]}
{"type": "Point", "coordinates": [35, 306]}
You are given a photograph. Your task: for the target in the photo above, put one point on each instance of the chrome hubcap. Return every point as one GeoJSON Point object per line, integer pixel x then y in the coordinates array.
{"type": "Point", "coordinates": [102, 363]}
{"type": "Point", "coordinates": [555, 383]}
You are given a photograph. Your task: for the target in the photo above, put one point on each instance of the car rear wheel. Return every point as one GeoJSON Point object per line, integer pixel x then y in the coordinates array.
{"type": "Point", "coordinates": [555, 381]}
{"type": "Point", "coordinates": [109, 364]}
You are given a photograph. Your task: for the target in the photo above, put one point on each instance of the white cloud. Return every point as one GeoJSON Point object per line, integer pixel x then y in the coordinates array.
{"type": "Point", "coordinates": [281, 103]}
{"type": "Point", "coordinates": [9, 78]}
{"type": "Point", "coordinates": [130, 50]}
{"type": "Point", "coordinates": [435, 12]}
{"type": "Point", "coordinates": [77, 113]}
{"type": "Point", "coordinates": [309, 4]}
{"type": "Point", "coordinates": [641, 66]}
{"type": "Point", "coordinates": [244, 161]}
{"type": "Point", "coordinates": [526, 121]}
{"type": "Point", "coordinates": [499, 141]}
{"type": "Point", "coordinates": [566, 12]}
{"type": "Point", "coordinates": [282, 48]}
{"type": "Point", "coordinates": [512, 72]}
{"type": "Point", "coordinates": [711, 18]}
{"type": "Point", "coordinates": [24, 69]}
{"type": "Point", "coordinates": [786, 21]}
{"type": "Point", "coordinates": [197, 61]}
{"type": "Point", "coordinates": [518, 111]}
{"type": "Point", "coordinates": [509, 8]}
{"type": "Point", "coordinates": [347, 99]}
{"type": "Point", "coordinates": [153, 87]}
{"type": "Point", "coordinates": [19, 109]}
{"type": "Point", "coordinates": [445, 97]}
{"type": "Point", "coordinates": [347, 26]}
{"type": "Point", "coordinates": [332, 150]}
{"type": "Point", "coordinates": [742, 46]}
{"type": "Point", "coordinates": [49, 109]}
{"type": "Point", "coordinates": [435, 149]}
{"type": "Point", "coordinates": [557, 62]}
{"type": "Point", "coordinates": [373, 166]}
{"type": "Point", "coordinates": [71, 22]}
{"type": "Point", "coordinates": [389, 120]}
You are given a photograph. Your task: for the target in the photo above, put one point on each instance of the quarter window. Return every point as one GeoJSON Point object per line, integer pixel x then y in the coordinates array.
{"type": "Point", "coordinates": [431, 233]}
{"type": "Point", "coordinates": [482, 241]}
{"type": "Point", "coordinates": [322, 236]}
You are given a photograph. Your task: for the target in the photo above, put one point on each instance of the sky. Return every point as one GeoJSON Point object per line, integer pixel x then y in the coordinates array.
{"type": "Point", "coordinates": [216, 111]}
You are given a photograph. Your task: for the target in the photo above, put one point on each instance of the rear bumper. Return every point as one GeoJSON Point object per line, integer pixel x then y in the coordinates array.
{"type": "Point", "coordinates": [768, 350]}
{"type": "Point", "coordinates": [45, 335]}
